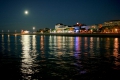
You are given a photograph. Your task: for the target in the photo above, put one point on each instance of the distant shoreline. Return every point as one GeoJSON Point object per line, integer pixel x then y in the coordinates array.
{"type": "Point", "coordinates": [71, 34]}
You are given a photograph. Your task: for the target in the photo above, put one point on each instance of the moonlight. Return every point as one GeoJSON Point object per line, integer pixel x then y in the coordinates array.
{"type": "Point", "coordinates": [26, 12]}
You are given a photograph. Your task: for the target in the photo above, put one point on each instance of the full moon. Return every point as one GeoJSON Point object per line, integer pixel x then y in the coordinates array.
{"type": "Point", "coordinates": [26, 12]}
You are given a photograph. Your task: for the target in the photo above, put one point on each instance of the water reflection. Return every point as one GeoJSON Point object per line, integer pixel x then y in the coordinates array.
{"type": "Point", "coordinates": [86, 43]}
{"type": "Point", "coordinates": [28, 56]}
{"type": "Point", "coordinates": [70, 43]}
{"type": "Point", "coordinates": [59, 44]}
{"type": "Point", "coordinates": [98, 46]}
{"type": "Point", "coordinates": [77, 47]}
{"type": "Point", "coordinates": [16, 42]}
{"type": "Point", "coordinates": [42, 48]}
{"type": "Point", "coordinates": [91, 51]}
{"type": "Point", "coordinates": [77, 44]}
{"type": "Point", "coordinates": [3, 44]}
{"type": "Point", "coordinates": [34, 45]}
{"type": "Point", "coordinates": [8, 42]}
{"type": "Point", "coordinates": [62, 56]}
{"type": "Point", "coordinates": [116, 53]}
{"type": "Point", "coordinates": [116, 48]}
{"type": "Point", "coordinates": [50, 43]}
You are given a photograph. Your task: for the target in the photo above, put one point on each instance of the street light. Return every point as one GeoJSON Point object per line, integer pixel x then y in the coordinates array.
{"type": "Point", "coordinates": [15, 31]}
{"type": "Point", "coordinates": [77, 23]}
{"type": "Point", "coordinates": [50, 30]}
{"type": "Point", "coordinates": [33, 29]}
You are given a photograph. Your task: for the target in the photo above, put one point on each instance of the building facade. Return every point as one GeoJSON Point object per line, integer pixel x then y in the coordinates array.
{"type": "Point", "coordinates": [60, 28]}
{"type": "Point", "coordinates": [112, 23]}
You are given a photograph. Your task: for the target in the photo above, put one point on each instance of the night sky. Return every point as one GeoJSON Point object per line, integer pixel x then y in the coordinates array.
{"type": "Point", "coordinates": [47, 13]}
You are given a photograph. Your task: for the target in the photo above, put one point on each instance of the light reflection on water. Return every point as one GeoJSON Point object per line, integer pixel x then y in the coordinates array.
{"type": "Point", "coordinates": [28, 55]}
{"type": "Point", "coordinates": [2, 44]}
{"type": "Point", "coordinates": [8, 42]}
{"type": "Point", "coordinates": [61, 56]}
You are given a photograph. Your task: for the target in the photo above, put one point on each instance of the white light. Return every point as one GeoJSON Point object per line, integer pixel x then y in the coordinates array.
{"type": "Point", "coordinates": [33, 27]}
{"type": "Point", "coordinates": [26, 12]}
{"type": "Point", "coordinates": [26, 31]}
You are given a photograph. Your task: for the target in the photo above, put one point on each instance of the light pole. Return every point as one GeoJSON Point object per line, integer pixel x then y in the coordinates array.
{"type": "Point", "coordinates": [33, 29]}
{"type": "Point", "coordinates": [15, 31]}
{"type": "Point", "coordinates": [50, 31]}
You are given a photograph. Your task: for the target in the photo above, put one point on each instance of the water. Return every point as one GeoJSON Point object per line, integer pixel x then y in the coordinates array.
{"type": "Point", "coordinates": [39, 57]}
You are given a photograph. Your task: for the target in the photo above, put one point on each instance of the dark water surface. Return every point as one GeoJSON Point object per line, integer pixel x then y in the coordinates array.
{"type": "Point", "coordinates": [36, 57]}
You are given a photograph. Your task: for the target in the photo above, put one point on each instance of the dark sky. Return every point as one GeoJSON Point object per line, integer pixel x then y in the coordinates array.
{"type": "Point", "coordinates": [47, 13]}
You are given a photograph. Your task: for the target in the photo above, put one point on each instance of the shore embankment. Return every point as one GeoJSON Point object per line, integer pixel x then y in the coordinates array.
{"type": "Point", "coordinates": [70, 34]}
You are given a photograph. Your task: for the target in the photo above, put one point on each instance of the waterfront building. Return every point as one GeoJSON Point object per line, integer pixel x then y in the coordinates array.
{"type": "Point", "coordinates": [107, 27]}
{"type": "Point", "coordinates": [60, 28]}
{"type": "Point", "coordinates": [77, 28]}
{"type": "Point", "coordinates": [25, 31]}
{"type": "Point", "coordinates": [84, 28]}
{"type": "Point", "coordinates": [81, 28]}
{"type": "Point", "coordinates": [111, 26]}
{"type": "Point", "coordinates": [94, 27]}
{"type": "Point", "coordinates": [112, 23]}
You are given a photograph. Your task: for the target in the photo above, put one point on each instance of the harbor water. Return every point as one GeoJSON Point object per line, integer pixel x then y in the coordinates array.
{"type": "Point", "coordinates": [40, 57]}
